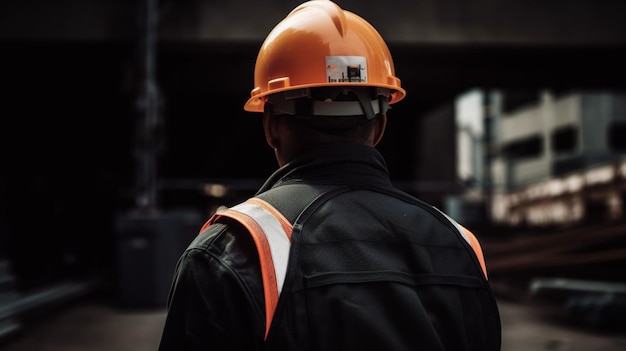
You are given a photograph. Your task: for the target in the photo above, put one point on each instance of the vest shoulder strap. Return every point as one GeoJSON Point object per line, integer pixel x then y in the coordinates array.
{"type": "Point", "coordinates": [471, 240]}
{"type": "Point", "coordinates": [271, 233]}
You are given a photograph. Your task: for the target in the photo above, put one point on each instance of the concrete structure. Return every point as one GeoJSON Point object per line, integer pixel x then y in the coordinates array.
{"type": "Point", "coordinates": [548, 158]}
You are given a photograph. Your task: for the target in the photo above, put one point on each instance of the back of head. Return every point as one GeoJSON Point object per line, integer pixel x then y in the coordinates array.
{"type": "Point", "coordinates": [323, 61]}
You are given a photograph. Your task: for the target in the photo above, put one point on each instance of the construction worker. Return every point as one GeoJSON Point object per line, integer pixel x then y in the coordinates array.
{"type": "Point", "coordinates": [329, 255]}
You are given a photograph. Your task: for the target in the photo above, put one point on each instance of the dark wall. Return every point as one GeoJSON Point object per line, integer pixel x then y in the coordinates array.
{"type": "Point", "coordinates": [66, 135]}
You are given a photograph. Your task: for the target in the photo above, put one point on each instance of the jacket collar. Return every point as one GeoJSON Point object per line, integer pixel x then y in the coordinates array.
{"type": "Point", "coordinates": [333, 164]}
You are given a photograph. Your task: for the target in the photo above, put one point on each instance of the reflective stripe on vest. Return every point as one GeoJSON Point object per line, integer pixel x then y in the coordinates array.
{"type": "Point", "coordinates": [271, 233]}
{"type": "Point", "coordinates": [472, 240]}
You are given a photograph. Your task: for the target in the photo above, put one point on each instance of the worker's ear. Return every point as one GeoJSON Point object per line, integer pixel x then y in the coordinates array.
{"type": "Point", "coordinates": [270, 127]}
{"type": "Point", "coordinates": [379, 129]}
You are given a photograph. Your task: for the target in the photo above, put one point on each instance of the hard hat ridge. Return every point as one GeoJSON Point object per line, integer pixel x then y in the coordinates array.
{"type": "Point", "coordinates": [329, 8]}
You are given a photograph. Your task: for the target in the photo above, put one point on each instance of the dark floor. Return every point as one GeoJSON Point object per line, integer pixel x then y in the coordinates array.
{"type": "Point", "coordinates": [93, 325]}
{"type": "Point", "coordinates": [90, 325]}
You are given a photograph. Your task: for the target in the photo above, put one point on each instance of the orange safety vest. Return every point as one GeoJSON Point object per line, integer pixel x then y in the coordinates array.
{"type": "Point", "coordinates": [271, 233]}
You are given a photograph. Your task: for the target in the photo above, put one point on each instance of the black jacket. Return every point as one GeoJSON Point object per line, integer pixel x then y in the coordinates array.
{"type": "Point", "coordinates": [371, 268]}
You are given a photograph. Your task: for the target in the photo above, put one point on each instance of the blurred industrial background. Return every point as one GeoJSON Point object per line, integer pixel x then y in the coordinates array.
{"type": "Point", "coordinates": [123, 129]}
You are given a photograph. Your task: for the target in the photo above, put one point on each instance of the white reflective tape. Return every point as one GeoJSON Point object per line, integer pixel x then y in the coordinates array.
{"type": "Point", "coordinates": [456, 225]}
{"type": "Point", "coordinates": [276, 237]}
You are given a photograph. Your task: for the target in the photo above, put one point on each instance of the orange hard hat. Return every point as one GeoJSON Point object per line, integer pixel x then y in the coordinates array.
{"type": "Point", "coordinates": [321, 45]}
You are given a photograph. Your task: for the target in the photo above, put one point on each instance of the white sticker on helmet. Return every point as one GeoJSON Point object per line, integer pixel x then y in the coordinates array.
{"type": "Point", "coordinates": [342, 69]}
